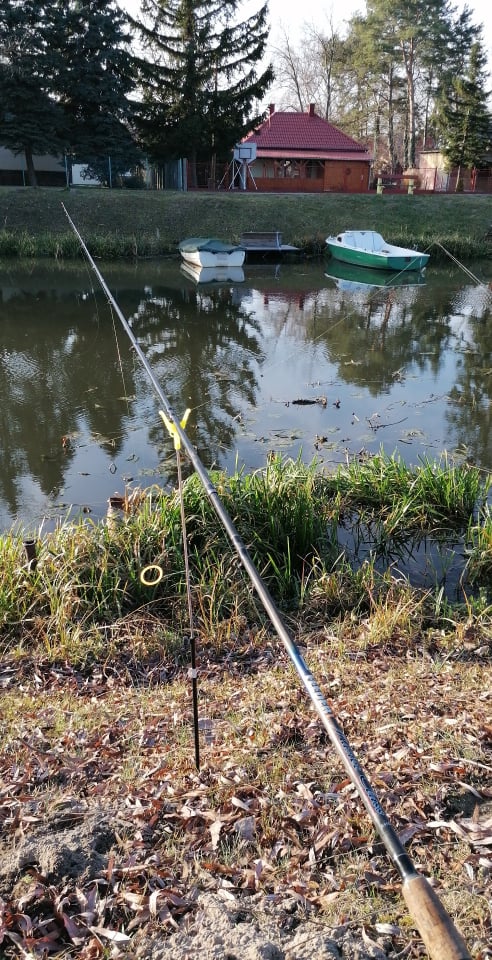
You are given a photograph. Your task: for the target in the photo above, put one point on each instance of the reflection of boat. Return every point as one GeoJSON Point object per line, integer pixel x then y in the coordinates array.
{"type": "Point", "coordinates": [211, 252]}
{"type": "Point", "coordinates": [212, 274]}
{"type": "Point", "coordinates": [366, 248]}
{"type": "Point", "coordinates": [349, 276]}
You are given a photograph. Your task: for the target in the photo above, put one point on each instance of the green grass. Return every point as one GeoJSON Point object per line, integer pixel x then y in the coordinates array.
{"type": "Point", "coordinates": [122, 223]}
{"type": "Point", "coordinates": [438, 494]}
{"type": "Point", "coordinates": [96, 709]}
{"type": "Point", "coordinates": [289, 516]}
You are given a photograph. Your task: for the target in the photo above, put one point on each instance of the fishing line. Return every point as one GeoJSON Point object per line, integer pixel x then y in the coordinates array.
{"type": "Point", "coordinates": [120, 361]}
{"type": "Point", "coordinates": [436, 928]}
{"type": "Point", "coordinates": [462, 267]}
{"type": "Point", "coordinates": [118, 352]}
{"type": "Point", "coordinates": [370, 297]}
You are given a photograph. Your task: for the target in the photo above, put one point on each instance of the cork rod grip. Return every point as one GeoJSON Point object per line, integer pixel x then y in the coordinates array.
{"type": "Point", "coordinates": [435, 926]}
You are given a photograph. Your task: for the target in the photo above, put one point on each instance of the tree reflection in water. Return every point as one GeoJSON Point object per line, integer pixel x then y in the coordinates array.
{"type": "Point", "coordinates": [407, 368]}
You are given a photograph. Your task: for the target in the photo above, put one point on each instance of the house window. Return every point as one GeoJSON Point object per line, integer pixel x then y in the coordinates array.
{"type": "Point", "coordinates": [315, 169]}
{"type": "Point", "coordinates": [287, 169]}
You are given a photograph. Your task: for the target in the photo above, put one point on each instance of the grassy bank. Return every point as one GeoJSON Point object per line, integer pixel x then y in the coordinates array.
{"type": "Point", "coordinates": [126, 223]}
{"type": "Point", "coordinates": [109, 832]}
{"type": "Point", "coordinates": [303, 528]}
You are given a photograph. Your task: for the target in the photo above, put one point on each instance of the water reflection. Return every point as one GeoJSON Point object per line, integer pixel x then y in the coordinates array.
{"type": "Point", "coordinates": [469, 413]}
{"type": "Point", "coordinates": [355, 279]}
{"type": "Point", "coordinates": [204, 348]}
{"type": "Point", "coordinates": [387, 322]}
{"type": "Point", "coordinates": [212, 274]}
{"type": "Point", "coordinates": [287, 358]}
{"type": "Point", "coordinates": [61, 384]}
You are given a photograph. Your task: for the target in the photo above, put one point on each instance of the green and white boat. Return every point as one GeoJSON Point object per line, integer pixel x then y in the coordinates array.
{"type": "Point", "coordinates": [366, 248]}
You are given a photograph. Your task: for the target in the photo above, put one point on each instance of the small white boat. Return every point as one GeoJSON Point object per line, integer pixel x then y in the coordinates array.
{"type": "Point", "coordinates": [212, 274]}
{"type": "Point", "coordinates": [211, 252]}
{"type": "Point", "coordinates": [366, 248]}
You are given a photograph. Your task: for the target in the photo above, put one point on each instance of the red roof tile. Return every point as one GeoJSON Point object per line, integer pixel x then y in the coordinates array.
{"type": "Point", "coordinates": [294, 132]}
{"type": "Point", "coordinates": [295, 154]}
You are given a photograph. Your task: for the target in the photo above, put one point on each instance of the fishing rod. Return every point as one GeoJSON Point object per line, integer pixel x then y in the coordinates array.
{"type": "Point", "coordinates": [438, 932]}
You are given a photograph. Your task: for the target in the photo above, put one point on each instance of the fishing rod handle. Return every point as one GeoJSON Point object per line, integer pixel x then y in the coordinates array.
{"type": "Point", "coordinates": [440, 936]}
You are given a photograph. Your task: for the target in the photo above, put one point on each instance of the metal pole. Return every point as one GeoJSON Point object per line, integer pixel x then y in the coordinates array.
{"type": "Point", "coordinates": [434, 924]}
{"type": "Point", "coordinates": [193, 671]}
{"type": "Point", "coordinates": [30, 546]}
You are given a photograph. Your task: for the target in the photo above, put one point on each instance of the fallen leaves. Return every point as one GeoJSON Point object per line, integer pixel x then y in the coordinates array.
{"type": "Point", "coordinates": [108, 830]}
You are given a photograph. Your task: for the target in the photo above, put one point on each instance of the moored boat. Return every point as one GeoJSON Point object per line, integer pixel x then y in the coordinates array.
{"type": "Point", "coordinates": [211, 252]}
{"type": "Point", "coordinates": [366, 248]}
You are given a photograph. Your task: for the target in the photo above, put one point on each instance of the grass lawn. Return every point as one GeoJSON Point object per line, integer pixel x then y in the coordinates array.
{"type": "Point", "coordinates": [127, 222]}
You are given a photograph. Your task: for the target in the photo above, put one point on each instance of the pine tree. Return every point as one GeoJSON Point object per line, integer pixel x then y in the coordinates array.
{"type": "Point", "coordinates": [413, 33]}
{"type": "Point", "coordinates": [64, 78]}
{"type": "Point", "coordinates": [31, 120]}
{"type": "Point", "coordinates": [96, 78]}
{"type": "Point", "coordinates": [462, 115]}
{"type": "Point", "coordinates": [200, 87]}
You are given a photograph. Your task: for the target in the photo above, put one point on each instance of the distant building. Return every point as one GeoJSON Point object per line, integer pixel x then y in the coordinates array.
{"type": "Point", "coordinates": [50, 171]}
{"type": "Point", "coordinates": [301, 152]}
{"type": "Point", "coordinates": [435, 175]}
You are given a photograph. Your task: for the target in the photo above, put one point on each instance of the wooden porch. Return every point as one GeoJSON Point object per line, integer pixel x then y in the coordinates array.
{"type": "Point", "coordinates": [308, 176]}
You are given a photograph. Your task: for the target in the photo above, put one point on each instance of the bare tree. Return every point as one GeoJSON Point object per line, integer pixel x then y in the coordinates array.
{"type": "Point", "coordinates": [325, 52]}
{"type": "Point", "coordinates": [290, 73]}
{"type": "Point", "coordinates": [308, 73]}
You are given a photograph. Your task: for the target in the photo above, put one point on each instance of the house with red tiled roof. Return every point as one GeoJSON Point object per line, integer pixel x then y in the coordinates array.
{"type": "Point", "coordinates": [301, 152]}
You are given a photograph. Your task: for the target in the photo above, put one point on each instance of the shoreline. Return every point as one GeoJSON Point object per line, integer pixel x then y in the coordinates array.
{"type": "Point", "coordinates": [130, 224]}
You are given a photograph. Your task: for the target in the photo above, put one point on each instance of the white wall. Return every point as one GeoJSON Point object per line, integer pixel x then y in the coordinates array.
{"type": "Point", "coordinates": [77, 178]}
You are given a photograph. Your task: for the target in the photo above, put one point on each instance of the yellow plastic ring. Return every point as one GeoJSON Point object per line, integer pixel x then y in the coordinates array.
{"type": "Point", "coordinates": [151, 581]}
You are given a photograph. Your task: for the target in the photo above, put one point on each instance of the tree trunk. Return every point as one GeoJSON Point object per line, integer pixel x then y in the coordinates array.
{"type": "Point", "coordinates": [391, 125]}
{"type": "Point", "coordinates": [31, 173]}
{"type": "Point", "coordinates": [408, 53]}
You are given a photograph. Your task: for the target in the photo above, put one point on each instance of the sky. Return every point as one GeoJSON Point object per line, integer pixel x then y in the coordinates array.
{"type": "Point", "coordinates": [293, 13]}
{"type": "Point", "coordinates": [289, 15]}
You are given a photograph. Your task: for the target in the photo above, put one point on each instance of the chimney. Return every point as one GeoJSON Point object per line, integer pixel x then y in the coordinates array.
{"type": "Point", "coordinates": [311, 109]}
{"type": "Point", "coordinates": [271, 108]}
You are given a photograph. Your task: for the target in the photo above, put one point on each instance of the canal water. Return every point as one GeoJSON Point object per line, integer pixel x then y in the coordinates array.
{"type": "Point", "coordinates": [298, 359]}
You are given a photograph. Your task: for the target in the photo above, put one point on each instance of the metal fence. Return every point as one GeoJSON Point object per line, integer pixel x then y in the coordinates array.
{"type": "Point", "coordinates": [176, 175]}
